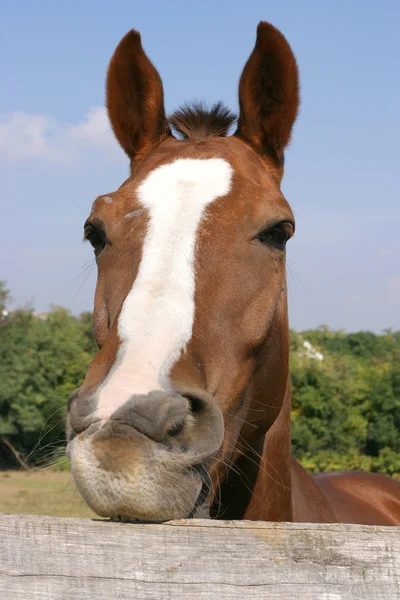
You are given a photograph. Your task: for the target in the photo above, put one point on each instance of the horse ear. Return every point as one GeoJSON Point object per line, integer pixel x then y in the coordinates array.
{"type": "Point", "coordinates": [135, 98]}
{"type": "Point", "coordinates": [268, 93]}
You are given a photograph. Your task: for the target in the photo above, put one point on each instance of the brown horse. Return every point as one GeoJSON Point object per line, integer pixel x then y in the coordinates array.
{"type": "Point", "coordinates": [187, 403]}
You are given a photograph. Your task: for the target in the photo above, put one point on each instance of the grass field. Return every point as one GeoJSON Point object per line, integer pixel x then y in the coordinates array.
{"type": "Point", "coordinates": [43, 492]}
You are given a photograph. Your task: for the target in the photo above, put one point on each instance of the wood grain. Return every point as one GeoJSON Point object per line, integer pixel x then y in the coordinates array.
{"type": "Point", "coordinates": [80, 559]}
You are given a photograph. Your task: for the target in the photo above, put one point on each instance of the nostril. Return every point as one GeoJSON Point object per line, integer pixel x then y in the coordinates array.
{"type": "Point", "coordinates": [176, 429]}
{"type": "Point", "coordinates": [196, 405]}
{"type": "Point", "coordinates": [81, 410]}
{"type": "Point", "coordinates": [193, 406]}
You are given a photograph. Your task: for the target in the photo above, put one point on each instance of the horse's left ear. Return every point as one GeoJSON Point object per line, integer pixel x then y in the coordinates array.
{"type": "Point", "coordinates": [135, 98]}
{"type": "Point", "coordinates": [268, 93]}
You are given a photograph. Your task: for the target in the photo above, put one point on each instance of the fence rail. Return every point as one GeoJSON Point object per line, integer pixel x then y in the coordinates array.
{"type": "Point", "coordinates": [80, 559]}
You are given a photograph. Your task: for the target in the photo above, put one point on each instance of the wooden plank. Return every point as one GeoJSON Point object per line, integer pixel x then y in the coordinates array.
{"type": "Point", "coordinates": [79, 559]}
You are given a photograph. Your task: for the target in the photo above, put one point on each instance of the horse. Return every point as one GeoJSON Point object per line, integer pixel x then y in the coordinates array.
{"type": "Point", "coordinates": [185, 409]}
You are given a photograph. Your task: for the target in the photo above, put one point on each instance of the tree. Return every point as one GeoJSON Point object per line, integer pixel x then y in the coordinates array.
{"type": "Point", "coordinates": [4, 301]}
{"type": "Point", "coordinates": [41, 363]}
{"type": "Point", "coordinates": [345, 405]}
{"type": "Point", "coordinates": [346, 408]}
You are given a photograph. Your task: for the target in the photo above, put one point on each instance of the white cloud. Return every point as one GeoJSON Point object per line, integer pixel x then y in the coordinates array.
{"type": "Point", "coordinates": [26, 137]}
{"type": "Point", "coordinates": [385, 252]}
{"type": "Point", "coordinates": [95, 130]}
{"type": "Point", "coordinates": [23, 136]}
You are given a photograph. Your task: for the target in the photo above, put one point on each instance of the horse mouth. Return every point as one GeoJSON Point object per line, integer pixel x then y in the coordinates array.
{"type": "Point", "coordinates": [138, 482]}
{"type": "Point", "coordinates": [201, 509]}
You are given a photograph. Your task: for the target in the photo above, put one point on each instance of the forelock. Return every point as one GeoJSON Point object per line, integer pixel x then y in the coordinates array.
{"type": "Point", "coordinates": [196, 122]}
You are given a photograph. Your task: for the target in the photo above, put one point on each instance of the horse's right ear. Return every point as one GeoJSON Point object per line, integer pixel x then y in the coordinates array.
{"type": "Point", "coordinates": [135, 98]}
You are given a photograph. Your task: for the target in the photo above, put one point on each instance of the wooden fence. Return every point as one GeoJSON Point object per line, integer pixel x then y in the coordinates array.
{"type": "Point", "coordinates": [79, 559]}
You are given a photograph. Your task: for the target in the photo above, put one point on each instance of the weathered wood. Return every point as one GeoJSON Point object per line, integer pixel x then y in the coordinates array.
{"type": "Point", "coordinates": [78, 559]}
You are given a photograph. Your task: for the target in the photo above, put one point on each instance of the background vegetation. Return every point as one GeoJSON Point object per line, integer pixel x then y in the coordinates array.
{"type": "Point", "coordinates": [346, 390]}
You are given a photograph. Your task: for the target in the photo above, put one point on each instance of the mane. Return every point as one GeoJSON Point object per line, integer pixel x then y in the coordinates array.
{"type": "Point", "coordinates": [196, 122]}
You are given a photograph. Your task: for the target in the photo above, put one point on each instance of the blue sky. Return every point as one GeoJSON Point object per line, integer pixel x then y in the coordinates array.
{"type": "Point", "coordinates": [342, 169]}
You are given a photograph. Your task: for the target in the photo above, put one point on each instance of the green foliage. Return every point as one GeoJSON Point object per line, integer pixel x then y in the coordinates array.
{"type": "Point", "coordinates": [4, 300]}
{"type": "Point", "coordinates": [346, 406]}
{"type": "Point", "coordinates": [42, 360]}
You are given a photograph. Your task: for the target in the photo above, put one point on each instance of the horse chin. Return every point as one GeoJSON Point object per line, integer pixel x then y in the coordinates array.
{"type": "Point", "coordinates": [139, 488]}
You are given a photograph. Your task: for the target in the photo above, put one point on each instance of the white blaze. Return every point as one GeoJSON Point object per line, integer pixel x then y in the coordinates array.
{"type": "Point", "coordinates": [157, 317]}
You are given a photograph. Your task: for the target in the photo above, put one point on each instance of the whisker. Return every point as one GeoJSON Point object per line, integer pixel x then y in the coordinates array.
{"type": "Point", "coordinates": [42, 434]}
{"type": "Point", "coordinates": [265, 461]}
{"type": "Point", "coordinates": [293, 274]}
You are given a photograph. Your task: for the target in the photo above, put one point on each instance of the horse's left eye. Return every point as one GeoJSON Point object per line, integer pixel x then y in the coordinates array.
{"type": "Point", "coordinates": [277, 235]}
{"type": "Point", "coordinates": [96, 237]}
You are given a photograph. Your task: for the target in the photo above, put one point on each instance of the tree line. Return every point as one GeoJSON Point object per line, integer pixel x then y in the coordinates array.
{"type": "Point", "coordinates": [345, 390]}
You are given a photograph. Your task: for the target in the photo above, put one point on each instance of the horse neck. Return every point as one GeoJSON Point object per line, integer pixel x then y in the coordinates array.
{"type": "Point", "coordinates": [272, 493]}
{"type": "Point", "coordinates": [259, 488]}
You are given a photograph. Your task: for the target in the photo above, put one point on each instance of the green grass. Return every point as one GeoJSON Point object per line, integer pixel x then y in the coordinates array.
{"type": "Point", "coordinates": [43, 492]}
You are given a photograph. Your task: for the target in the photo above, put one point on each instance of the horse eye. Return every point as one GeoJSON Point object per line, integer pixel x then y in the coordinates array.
{"type": "Point", "coordinates": [96, 237]}
{"type": "Point", "coordinates": [277, 235]}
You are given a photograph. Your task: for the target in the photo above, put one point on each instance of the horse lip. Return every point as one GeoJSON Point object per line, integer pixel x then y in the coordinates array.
{"type": "Point", "coordinates": [202, 470]}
